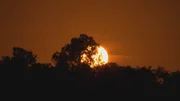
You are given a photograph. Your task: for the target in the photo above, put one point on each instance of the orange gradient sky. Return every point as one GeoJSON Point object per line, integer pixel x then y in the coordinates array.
{"type": "Point", "coordinates": [134, 32]}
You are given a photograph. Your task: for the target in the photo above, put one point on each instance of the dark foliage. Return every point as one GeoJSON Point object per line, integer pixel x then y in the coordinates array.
{"type": "Point", "coordinates": [120, 79]}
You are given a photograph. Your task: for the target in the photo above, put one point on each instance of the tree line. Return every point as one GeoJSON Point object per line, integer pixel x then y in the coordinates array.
{"type": "Point", "coordinates": [67, 67]}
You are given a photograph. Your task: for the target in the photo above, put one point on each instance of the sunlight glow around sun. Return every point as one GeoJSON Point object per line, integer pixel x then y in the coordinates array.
{"type": "Point", "coordinates": [99, 58]}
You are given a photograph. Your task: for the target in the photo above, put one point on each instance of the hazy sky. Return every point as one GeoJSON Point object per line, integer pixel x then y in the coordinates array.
{"type": "Point", "coordinates": [134, 32]}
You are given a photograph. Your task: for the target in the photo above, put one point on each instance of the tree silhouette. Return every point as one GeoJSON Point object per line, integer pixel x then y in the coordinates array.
{"type": "Point", "coordinates": [125, 80]}
{"type": "Point", "coordinates": [70, 54]}
{"type": "Point", "coordinates": [22, 54]}
{"type": "Point", "coordinates": [16, 65]}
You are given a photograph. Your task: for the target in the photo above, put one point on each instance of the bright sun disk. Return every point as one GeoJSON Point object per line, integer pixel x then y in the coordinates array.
{"type": "Point", "coordinates": [99, 58]}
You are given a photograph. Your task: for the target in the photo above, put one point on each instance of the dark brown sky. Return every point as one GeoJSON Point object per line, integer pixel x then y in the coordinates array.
{"type": "Point", "coordinates": [135, 32]}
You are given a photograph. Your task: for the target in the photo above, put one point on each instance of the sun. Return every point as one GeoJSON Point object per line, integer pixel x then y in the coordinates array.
{"type": "Point", "coordinates": [98, 59]}
{"type": "Point", "coordinates": [102, 52]}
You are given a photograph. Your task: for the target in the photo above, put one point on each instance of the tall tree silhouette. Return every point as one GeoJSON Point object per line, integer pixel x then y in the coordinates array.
{"type": "Point", "coordinates": [70, 54]}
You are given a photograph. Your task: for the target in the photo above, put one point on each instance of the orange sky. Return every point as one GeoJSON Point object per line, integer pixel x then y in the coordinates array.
{"type": "Point", "coordinates": [135, 32]}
